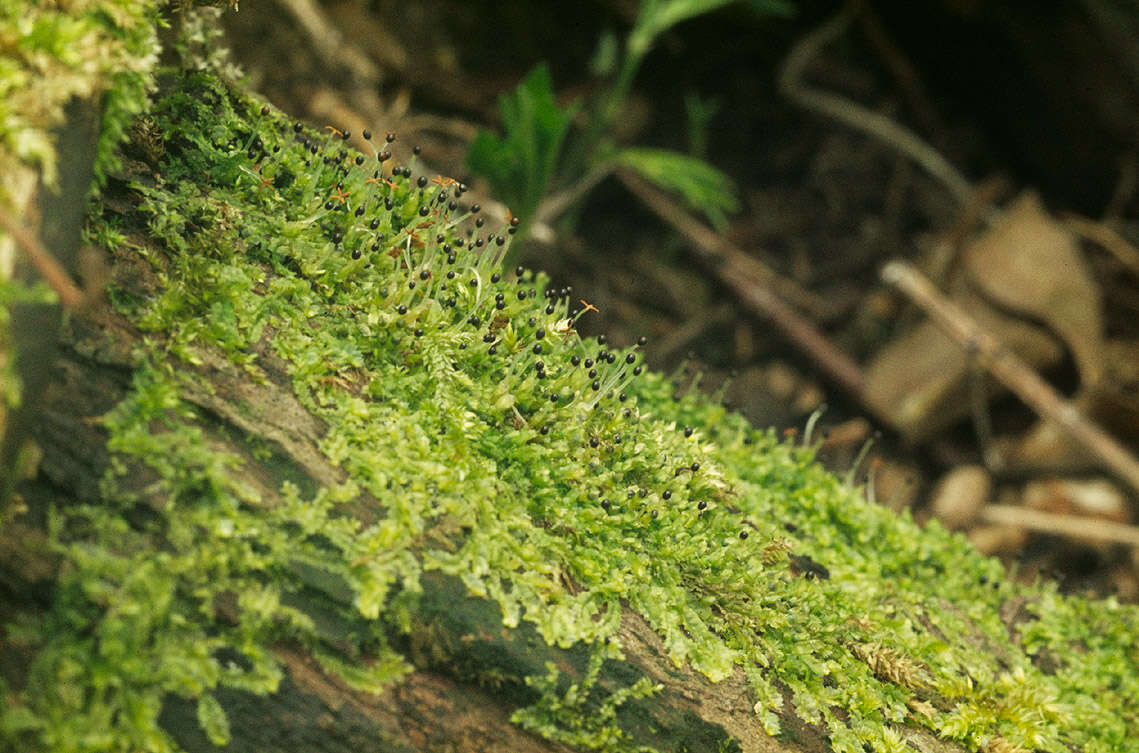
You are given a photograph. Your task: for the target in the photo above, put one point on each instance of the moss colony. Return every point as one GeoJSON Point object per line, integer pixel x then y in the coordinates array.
{"type": "Point", "coordinates": [478, 435]}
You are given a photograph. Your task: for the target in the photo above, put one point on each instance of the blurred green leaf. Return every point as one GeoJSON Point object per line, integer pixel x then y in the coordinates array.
{"type": "Point", "coordinates": [657, 16]}
{"type": "Point", "coordinates": [700, 113]}
{"type": "Point", "coordinates": [521, 165]}
{"type": "Point", "coordinates": [606, 56]}
{"type": "Point", "coordinates": [702, 186]}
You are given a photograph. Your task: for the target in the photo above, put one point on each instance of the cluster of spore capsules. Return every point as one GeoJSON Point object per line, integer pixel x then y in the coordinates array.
{"type": "Point", "coordinates": [408, 245]}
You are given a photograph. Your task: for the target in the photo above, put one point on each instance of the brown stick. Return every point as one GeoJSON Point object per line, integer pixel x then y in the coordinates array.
{"type": "Point", "coordinates": [1011, 371]}
{"type": "Point", "coordinates": [50, 269]}
{"type": "Point", "coordinates": [752, 283]}
{"type": "Point", "coordinates": [714, 247]}
{"type": "Point", "coordinates": [1073, 526]}
{"type": "Point", "coordinates": [1106, 237]}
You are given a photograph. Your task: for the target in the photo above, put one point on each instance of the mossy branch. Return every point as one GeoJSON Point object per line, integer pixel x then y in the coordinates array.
{"type": "Point", "coordinates": [324, 472]}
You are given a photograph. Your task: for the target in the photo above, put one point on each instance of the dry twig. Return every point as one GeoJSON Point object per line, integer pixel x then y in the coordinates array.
{"type": "Point", "coordinates": [1011, 371]}
{"type": "Point", "coordinates": [50, 269]}
{"type": "Point", "coordinates": [330, 44]}
{"type": "Point", "coordinates": [1072, 526]}
{"type": "Point", "coordinates": [756, 286]}
{"type": "Point", "coordinates": [855, 115]}
{"type": "Point", "coordinates": [1102, 235]}
{"type": "Point", "coordinates": [679, 337]}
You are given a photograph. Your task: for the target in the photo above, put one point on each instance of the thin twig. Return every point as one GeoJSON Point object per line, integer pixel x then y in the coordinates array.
{"type": "Point", "coordinates": [50, 269]}
{"type": "Point", "coordinates": [752, 282]}
{"type": "Point", "coordinates": [905, 73]}
{"type": "Point", "coordinates": [690, 329]}
{"type": "Point", "coordinates": [979, 406]}
{"type": "Point", "coordinates": [554, 205]}
{"type": "Point", "coordinates": [1104, 236]}
{"type": "Point", "coordinates": [329, 43]}
{"type": "Point", "coordinates": [1073, 526]}
{"type": "Point", "coordinates": [715, 248]}
{"type": "Point", "coordinates": [855, 115]}
{"type": "Point", "coordinates": [1011, 371]}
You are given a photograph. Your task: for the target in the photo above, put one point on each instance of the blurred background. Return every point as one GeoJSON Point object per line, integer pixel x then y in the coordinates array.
{"type": "Point", "coordinates": [729, 179]}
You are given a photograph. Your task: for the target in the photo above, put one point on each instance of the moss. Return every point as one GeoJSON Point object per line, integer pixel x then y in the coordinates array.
{"type": "Point", "coordinates": [555, 493]}
{"type": "Point", "coordinates": [99, 49]}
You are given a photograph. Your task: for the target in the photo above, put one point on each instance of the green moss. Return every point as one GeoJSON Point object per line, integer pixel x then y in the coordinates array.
{"type": "Point", "coordinates": [566, 716]}
{"type": "Point", "coordinates": [102, 49]}
{"type": "Point", "coordinates": [461, 456]}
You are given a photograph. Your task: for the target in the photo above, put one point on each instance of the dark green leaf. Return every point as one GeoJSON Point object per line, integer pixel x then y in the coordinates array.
{"type": "Point", "coordinates": [657, 16]}
{"type": "Point", "coordinates": [521, 164]}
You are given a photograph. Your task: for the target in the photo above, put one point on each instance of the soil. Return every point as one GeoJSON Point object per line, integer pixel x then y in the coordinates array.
{"type": "Point", "coordinates": [1012, 94]}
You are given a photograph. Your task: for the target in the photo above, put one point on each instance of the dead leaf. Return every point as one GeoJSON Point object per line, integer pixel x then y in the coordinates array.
{"type": "Point", "coordinates": [1031, 264]}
